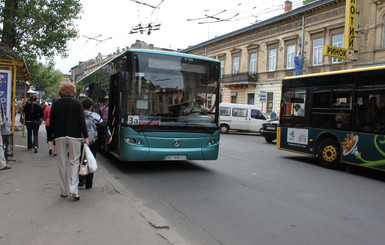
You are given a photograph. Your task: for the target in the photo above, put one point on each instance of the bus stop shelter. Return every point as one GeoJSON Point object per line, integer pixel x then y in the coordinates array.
{"type": "Point", "coordinates": [12, 69]}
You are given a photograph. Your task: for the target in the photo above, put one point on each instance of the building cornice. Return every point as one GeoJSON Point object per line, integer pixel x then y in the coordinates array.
{"type": "Point", "coordinates": [290, 14]}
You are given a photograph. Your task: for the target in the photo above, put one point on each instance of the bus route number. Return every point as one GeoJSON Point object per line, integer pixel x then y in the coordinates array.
{"type": "Point", "coordinates": [133, 120]}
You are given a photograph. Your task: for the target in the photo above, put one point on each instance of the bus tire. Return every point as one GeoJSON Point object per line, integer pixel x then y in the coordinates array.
{"type": "Point", "coordinates": [224, 129]}
{"type": "Point", "coordinates": [329, 154]}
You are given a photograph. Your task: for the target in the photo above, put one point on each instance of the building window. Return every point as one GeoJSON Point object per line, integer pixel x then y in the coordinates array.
{"type": "Point", "coordinates": [338, 41]}
{"type": "Point", "coordinates": [317, 51]}
{"type": "Point", "coordinates": [233, 97]}
{"type": "Point", "coordinates": [290, 53]}
{"type": "Point", "coordinates": [235, 65]}
{"type": "Point", "coordinates": [253, 63]}
{"type": "Point", "coordinates": [272, 59]}
{"type": "Point", "coordinates": [222, 69]}
{"type": "Point", "coordinates": [250, 98]}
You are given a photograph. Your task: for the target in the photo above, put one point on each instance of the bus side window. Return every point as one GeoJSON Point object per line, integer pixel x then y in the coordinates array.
{"type": "Point", "coordinates": [369, 115]}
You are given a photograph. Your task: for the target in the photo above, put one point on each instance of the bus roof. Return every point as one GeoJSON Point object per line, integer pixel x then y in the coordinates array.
{"type": "Point", "coordinates": [336, 72]}
{"type": "Point", "coordinates": [151, 51]}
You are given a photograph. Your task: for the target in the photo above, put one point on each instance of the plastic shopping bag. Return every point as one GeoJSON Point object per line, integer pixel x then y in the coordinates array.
{"type": "Point", "coordinates": [83, 167]}
{"type": "Point", "coordinates": [92, 164]}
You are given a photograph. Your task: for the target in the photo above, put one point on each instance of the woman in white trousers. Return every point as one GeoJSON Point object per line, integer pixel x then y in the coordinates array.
{"type": "Point", "coordinates": [69, 129]}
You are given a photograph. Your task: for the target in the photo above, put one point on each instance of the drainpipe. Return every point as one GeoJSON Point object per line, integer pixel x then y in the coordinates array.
{"type": "Point", "coordinates": [303, 33]}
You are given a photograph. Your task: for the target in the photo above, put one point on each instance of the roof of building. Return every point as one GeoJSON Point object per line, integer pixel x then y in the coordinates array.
{"type": "Point", "coordinates": [291, 13]}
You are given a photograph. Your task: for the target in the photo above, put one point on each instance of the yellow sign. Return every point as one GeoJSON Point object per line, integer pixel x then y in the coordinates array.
{"type": "Point", "coordinates": [350, 30]}
{"type": "Point", "coordinates": [335, 52]}
{"type": "Point", "coordinates": [350, 23]}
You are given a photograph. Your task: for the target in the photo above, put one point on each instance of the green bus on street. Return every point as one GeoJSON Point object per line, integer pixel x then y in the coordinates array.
{"type": "Point", "coordinates": [338, 117]}
{"type": "Point", "coordinates": [144, 95]}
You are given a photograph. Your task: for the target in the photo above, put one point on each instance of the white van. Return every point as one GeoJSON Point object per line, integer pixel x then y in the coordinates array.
{"type": "Point", "coordinates": [240, 117]}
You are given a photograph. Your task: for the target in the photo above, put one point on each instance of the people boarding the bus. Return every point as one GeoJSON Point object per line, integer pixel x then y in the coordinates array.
{"type": "Point", "coordinates": [197, 107]}
{"type": "Point", "coordinates": [299, 111]}
{"type": "Point", "coordinates": [69, 127]}
{"type": "Point", "coordinates": [93, 119]}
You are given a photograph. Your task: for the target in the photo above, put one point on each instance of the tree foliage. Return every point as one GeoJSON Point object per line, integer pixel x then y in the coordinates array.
{"type": "Point", "coordinates": [45, 78]}
{"type": "Point", "coordinates": [39, 28]}
{"type": "Point", "coordinates": [308, 1]}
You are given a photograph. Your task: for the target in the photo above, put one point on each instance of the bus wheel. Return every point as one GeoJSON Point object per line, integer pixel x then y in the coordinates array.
{"type": "Point", "coordinates": [224, 129]}
{"type": "Point", "coordinates": [328, 154]}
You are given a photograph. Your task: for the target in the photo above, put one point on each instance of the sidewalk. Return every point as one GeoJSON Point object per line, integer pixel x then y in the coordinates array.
{"type": "Point", "coordinates": [32, 211]}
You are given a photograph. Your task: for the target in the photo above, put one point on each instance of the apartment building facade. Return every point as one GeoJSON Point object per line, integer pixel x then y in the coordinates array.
{"type": "Point", "coordinates": [254, 59]}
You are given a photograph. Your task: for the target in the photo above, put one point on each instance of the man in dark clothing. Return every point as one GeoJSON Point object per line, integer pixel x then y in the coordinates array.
{"type": "Point", "coordinates": [33, 115]}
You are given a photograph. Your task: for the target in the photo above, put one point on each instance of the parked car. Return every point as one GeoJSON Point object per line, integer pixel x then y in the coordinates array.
{"type": "Point", "coordinates": [269, 129]}
{"type": "Point", "coordinates": [240, 117]}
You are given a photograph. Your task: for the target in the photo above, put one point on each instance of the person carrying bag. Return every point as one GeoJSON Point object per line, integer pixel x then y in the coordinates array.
{"type": "Point", "coordinates": [93, 119]}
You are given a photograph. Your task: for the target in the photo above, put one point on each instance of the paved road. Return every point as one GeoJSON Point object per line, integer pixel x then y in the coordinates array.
{"type": "Point", "coordinates": [256, 194]}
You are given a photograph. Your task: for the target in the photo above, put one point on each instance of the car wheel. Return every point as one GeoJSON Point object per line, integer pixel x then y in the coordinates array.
{"type": "Point", "coordinates": [224, 129]}
{"type": "Point", "coordinates": [328, 154]}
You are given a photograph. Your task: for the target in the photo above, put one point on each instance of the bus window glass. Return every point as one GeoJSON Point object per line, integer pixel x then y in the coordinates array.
{"type": "Point", "coordinates": [238, 112]}
{"type": "Point", "coordinates": [224, 111]}
{"type": "Point", "coordinates": [342, 98]}
{"type": "Point", "coordinates": [294, 107]}
{"type": "Point", "coordinates": [370, 110]}
{"type": "Point", "coordinates": [294, 102]}
{"type": "Point", "coordinates": [321, 98]}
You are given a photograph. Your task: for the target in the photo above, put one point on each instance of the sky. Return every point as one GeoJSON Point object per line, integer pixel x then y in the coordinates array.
{"type": "Point", "coordinates": [105, 25]}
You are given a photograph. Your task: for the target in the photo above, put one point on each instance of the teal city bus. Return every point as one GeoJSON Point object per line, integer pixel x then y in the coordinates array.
{"type": "Point", "coordinates": [338, 117]}
{"type": "Point", "coordinates": [144, 96]}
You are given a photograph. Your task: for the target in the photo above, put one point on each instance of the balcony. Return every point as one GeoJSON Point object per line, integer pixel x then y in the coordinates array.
{"type": "Point", "coordinates": [239, 79]}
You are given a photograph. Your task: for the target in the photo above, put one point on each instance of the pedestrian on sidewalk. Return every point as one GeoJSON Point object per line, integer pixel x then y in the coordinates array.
{"type": "Point", "coordinates": [33, 115]}
{"type": "Point", "coordinates": [93, 119]}
{"type": "Point", "coordinates": [49, 130]}
{"type": "Point", "coordinates": [69, 129]}
{"type": "Point", "coordinates": [3, 161]}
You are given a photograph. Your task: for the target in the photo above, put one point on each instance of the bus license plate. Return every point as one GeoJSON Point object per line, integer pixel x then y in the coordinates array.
{"type": "Point", "coordinates": [176, 158]}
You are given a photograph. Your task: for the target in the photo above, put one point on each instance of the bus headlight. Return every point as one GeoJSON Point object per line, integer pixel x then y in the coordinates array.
{"type": "Point", "coordinates": [213, 142]}
{"type": "Point", "coordinates": [134, 141]}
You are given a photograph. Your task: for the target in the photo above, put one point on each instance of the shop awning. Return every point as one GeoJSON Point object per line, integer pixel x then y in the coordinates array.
{"type": "Point", "coordinates": [9, 59]}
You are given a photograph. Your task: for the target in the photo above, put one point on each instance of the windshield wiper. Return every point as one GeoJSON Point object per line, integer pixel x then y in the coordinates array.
{"type": "Point", "coordinates": [146, 125]}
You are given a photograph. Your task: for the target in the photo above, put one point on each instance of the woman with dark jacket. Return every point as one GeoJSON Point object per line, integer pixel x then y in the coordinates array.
{"type": "Point", "coordinates": [33, 114]}
{"type": "Point", "coordinates": [69, 128]}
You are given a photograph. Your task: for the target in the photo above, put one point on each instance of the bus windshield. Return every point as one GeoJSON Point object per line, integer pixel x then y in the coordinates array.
{"type": "Point", "coordinates": [170, 91]}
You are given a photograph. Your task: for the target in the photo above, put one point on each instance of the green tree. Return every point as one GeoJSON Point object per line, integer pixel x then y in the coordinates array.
{"type": "Point", "coordinates": [39, 28]}
{"type": "Point", "coordinates": [308, 1]}
{"type": "Point", "coordinates": [45, 78]}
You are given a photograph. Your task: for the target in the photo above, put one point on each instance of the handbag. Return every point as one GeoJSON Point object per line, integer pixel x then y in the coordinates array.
{"type": "Point", "coordinates": [6, 128]}
{"type": "Point", "coordinates": [83, 168]}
